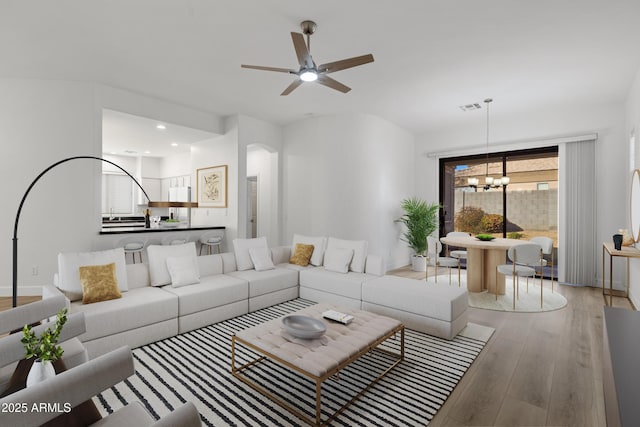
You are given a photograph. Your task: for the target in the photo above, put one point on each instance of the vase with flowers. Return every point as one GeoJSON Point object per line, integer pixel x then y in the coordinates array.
{"type": "Point", "coordinates": [44, 349]}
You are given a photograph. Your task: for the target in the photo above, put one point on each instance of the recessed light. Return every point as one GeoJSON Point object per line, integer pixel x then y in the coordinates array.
{"type": "Point", "coordinates": [147, 152]}
{"type": "Point", "coordinates": [161, 127]}
{"type": "Point", "coordinates": [174, 144]}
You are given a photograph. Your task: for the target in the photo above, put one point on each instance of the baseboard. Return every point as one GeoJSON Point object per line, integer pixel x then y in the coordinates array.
{"type": "Point", "coordinates": [23, 291]}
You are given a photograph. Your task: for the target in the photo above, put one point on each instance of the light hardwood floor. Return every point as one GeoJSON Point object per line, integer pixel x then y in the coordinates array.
{"type": "Point", "coordinates": [538, 369]}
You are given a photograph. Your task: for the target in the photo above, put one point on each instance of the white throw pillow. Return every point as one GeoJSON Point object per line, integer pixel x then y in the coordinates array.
{"type": "Point", "coordinates": [359, 251]}
{"type": "Point", "coordinates": [338, 259]}
{"type": "Point", "coordinates": [183, 270]}
{"type": "Point", "coordinates": [261, 259]}
{"type": "Point", "coordinates": [158, 254]}
{"type": "Point", "coordinates": [241, 250]}
{"type": "Point", "coordinates": [69, 269]}
{"type": "Point", "coordinates": [319, 245]}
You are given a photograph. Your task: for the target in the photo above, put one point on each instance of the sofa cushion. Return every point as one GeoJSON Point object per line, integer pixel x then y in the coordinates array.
{"type": "Point", "coordinates": [137, 308]}
{"type": "Point", "coordinates": [301, 255]}
{"type": "Point", "coordinates": [210, 265]}
{"type": "Point", "coordinates": [183, 270]}
{"type": "Point", "coordinates": [359, 251]}
{"type": "Point", "coordinates": [158, 254]}
{"type": "Point", "coordinates": [296, 267]}
{"type": "Point", "coordinates": [261, 259]}
{"type": "Point", "coordinates": [212, 291]}
{"type": "Point", "coordinates": [241, 251]}
{"type": "Point", "coordinates": [137, 275]}
{"type": "Point", "coordinates": [338, 259]}
{"type": "Point", "coordinates": [436, 300]}
{"type": "Point", "coordinates": [99, 283]}
{"type": "Point", "coordinates": [348, 285]}
{"type": "Point", "coordinates": [70, 262]}
{"type": "Point", "coordinates": [319, 246]}
{"type": "Point", "coordinates": [264, 282]}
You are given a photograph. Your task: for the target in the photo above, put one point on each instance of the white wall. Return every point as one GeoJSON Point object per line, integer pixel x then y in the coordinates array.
{"type": "Point", "coordinates": [605, 120]}
{"type": "Point", "coordinates": [222, 150]}
{"type": "Point", "coordinates": [260, 163]}
{"type": "Point", "coordinates": [345, 176]}
{"type": "Point", "coordinates": [42, 122]}
{"type": "Point", "coordinates": [251, 133]}
{"type": "Point", "coordinates": [632, 127]}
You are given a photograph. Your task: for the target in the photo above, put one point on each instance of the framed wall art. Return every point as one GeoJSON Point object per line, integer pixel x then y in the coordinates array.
{"type": "Point", "coordinates": [212, 187]}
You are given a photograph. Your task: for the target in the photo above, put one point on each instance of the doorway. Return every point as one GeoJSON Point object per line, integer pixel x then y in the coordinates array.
{"type": "Point", "coordinates": [252, 207]}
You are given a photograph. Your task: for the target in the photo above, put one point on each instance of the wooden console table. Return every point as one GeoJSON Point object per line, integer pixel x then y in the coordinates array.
{"type": "Point", "coordinates": [627, 252]}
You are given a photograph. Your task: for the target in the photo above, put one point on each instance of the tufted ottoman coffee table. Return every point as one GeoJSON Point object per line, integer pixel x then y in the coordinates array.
{"type": "Point", "coordinates": [318, 359]}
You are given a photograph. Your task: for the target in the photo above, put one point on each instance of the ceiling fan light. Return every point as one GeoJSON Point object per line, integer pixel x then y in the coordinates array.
{"type": "Point", "coordinates": [309, 76]}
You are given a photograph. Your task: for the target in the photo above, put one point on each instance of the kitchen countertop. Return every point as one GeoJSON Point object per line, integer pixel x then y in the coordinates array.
{"type": "Point", "coordinates": [129, 230]}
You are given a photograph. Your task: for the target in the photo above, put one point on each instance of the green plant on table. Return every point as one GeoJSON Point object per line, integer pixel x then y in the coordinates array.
{"type": "Point", "coordinates": [421, 220]}
{"type": "Point", "coordinates": [44, 348]}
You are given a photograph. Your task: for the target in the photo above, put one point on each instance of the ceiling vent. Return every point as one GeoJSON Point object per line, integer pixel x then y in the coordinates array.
{"type": "Point", "coordinates": [470, 107]}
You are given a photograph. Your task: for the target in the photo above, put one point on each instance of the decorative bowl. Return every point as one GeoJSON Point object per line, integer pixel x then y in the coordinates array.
{"type": "Point", "coordinates": [303, 326]}
{"type": "Point", "coordinates": [485, 237]}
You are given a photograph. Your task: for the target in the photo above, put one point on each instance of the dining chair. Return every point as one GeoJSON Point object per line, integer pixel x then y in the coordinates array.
{"type": "Point", "coordinates": [546, 243]}
{"type": "Point", "coordinates": [458, 253]}
{"type": "Point", "coordinates": [434, 247]}
{"type": "Point", "coordinates": [524, 258]}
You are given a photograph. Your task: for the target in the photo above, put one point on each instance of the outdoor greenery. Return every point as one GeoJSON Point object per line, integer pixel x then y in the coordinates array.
{"type": "Point", "coordinates": [492, 223]}
{"type": "Point", "coordinates": [421, 220]}
{"type": "Point", "coordinates": [469, 219]}
{"type": "Point", "coordinates": [474, 220]}
{"type": "Point", "coordinates": [44, 348]}
{"type": "Point", "coordinates": [515, 235]}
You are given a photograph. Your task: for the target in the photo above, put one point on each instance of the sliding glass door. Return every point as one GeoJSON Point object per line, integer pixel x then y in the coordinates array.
{"type": "Point", "coordinates": [524, 208]}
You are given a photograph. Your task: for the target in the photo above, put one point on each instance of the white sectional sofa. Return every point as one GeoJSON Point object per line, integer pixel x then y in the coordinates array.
{"type": "Point", "coordinates": [156, 304]}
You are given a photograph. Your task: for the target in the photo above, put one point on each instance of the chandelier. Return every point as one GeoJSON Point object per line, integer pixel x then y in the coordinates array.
{"type": "Point", "coordinates": [489, 181]}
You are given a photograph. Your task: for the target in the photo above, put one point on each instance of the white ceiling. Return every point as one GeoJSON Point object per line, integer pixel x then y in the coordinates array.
{"type": "Point", "coordinates": [129, 135]}
{"type": "Point", "coordinates": [430, 56]}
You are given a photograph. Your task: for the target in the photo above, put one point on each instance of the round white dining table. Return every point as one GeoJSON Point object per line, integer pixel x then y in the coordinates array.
{"type": "Point", "coordinates": [482, 259]}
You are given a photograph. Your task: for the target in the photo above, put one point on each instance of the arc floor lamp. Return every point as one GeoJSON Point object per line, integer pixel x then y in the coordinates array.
{"type": "Point", "coordinates": [24, 197]}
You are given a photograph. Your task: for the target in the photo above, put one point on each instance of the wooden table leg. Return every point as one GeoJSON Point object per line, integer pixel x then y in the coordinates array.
{"type": "Point", "coordinates": [493, 258]}
{"type": "Point", "coordinates": [475, 265]}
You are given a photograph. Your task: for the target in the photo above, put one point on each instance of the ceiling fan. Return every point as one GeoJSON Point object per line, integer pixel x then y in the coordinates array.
{"type": "Point", "coordinates": [309, 71]}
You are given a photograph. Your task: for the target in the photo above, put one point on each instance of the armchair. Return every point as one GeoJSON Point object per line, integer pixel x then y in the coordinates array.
{"type": "Point", "coordinates": [12, 350]}
{"type": "Point", "coordinates": [71, 388]}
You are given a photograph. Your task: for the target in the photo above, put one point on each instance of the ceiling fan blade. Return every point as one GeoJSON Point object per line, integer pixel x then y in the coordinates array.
{"type": "Point", "coordinates": [345, 63]}
{"type": "Point", "coordinates": [333, 84]}
{"type": "Point", "coordinates": [260, 67]}
{"type": "Point", "coordinates": [291, 87]}
{"type": "Point", "coordinates": [302, 52]}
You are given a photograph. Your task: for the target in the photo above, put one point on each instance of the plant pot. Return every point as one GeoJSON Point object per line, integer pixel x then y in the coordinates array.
{"type": "Point", "coordinates": [419, 263]}
{"type": "Point", "coordinates": [40, 371]}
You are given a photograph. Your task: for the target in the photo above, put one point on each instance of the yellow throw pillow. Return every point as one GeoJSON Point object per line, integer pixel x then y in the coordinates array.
{"type": "Point", "coordinates": [99, 283]}
{"type": "Point", "coordinates": [301, 255]}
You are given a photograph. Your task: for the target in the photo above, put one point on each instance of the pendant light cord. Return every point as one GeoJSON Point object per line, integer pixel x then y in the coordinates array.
{"type": "Point", "coordinates": [487, 101]}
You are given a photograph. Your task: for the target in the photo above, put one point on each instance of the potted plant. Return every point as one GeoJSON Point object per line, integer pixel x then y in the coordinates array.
{"type": "Point", "coordinates": [421, 220]}
{"type": "Point", "coordinates": [44, 349]}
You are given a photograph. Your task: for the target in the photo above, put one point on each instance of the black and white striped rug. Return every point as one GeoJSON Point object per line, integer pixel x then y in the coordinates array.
{"type": "Point", "coordinates": [195, 367]}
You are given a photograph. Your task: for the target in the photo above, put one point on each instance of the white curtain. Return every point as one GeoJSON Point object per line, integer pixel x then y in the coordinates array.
{"type": "Point", "coordinates": [577, 255]}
